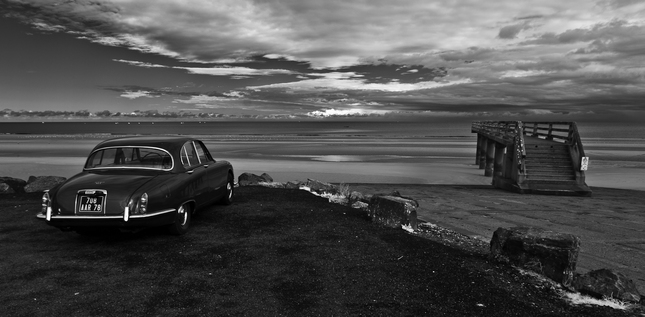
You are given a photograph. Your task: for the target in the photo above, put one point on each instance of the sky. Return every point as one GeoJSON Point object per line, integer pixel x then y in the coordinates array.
{"type": "Point", "coordinates": [315, 59]}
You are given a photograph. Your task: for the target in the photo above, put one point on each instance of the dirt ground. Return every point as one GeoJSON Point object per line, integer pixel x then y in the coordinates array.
{"type": "Point", "coordinates": [273, 252]}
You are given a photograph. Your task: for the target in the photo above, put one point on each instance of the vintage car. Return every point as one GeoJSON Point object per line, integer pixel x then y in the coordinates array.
{"type": "Point", "coordinates": [137, 182]}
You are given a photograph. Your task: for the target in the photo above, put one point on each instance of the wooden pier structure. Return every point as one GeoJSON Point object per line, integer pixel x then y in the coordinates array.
{"type": "Point", "coordinates": [532, 157]}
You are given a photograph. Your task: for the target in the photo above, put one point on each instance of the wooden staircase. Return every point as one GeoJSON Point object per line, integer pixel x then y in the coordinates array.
{"type": "Point", "coordinates": [539, 164]}
{"type": "Point", "coordinates": [548, 166]}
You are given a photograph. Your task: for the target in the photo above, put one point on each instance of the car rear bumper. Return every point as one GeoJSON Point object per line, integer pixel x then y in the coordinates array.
{"type": "Point", "coordinates": [154, 219]}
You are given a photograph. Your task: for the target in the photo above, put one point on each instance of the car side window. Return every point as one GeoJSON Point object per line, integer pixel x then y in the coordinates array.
{"type": "Point", "coordinates": [189, 156]}
{"type": "Point", "coordinates": [204, 156]}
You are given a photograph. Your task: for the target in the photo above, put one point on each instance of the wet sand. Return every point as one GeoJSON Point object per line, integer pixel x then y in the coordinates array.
{"type": "Point", "coordinates": [610, 223]}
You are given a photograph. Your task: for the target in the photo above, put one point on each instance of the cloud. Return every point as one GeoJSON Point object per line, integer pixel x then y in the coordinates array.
{"type": "Point", "coordinates": [326, 113]}
{"type": "Point", "coordinates": [138, 94]}
{"type": "Point", "coordinates": [339, 81]}
{"type": "Point", "coordinates": [510, 31]}
{"type": "Point", "coordinates": [140, 64]}
{"type": "Point", "coordinates": [200, 99]}
{"type": "Point", "coordinates": [241, 72]}
{"type": "Point", "coordinates": [237, 71]}
{"type": "Point", "coordinates": [406, 54]}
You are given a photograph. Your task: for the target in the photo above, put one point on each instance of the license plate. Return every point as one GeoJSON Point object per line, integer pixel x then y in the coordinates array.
{"type": "Point", "coordinates": [91, 201]}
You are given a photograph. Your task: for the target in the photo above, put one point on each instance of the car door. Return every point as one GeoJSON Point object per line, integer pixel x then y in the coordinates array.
{"type": "Point", "coordinates": [197, 181]}
{"type": "Point", "coordinates": [217, 176]}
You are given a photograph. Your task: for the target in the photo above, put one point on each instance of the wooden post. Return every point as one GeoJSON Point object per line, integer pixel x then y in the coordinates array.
{"type": "Point", "coordinates": [482, 152]}
{"type": "Point", "coordinates": [549, 135]}
{"type": "Point", "coordinates": [498, 167]}
{"type": "Point", "coordinates": [490, 158]}
{"type": "Point", "coordinates": [479, 141]}
{"type": "Point", "coordinates": [508, 162]}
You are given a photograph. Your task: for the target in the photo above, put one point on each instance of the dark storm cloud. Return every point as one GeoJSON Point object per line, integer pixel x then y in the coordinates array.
{"type": "Point", "coordinates": [377, 55]}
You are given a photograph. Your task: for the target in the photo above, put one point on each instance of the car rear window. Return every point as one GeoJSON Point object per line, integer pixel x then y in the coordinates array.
{"type": "Point", "coordinates": [130, 157]}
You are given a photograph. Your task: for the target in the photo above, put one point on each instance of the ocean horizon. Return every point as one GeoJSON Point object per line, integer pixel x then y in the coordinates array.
{"type": "Point", "coordinates": [436, 127]}
{"type": "Point", "coordinates": [332, 151]}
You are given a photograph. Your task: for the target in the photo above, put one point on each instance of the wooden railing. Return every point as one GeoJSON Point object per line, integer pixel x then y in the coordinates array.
{"type": "Point", "coordinates": [508, 132]}
{"type": "Point", "coordinates": [564, 132]}
{"type": "Point", "coordinates": [520, 149]}
{"type": "Point", "coordinates": [502, 131]}
{"type": "Point", "coordinates": [501, 152]}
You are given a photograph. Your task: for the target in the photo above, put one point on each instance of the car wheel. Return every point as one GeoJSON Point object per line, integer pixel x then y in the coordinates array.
{"type": "Point", "coordinates": [230, 191]}
{"type": "Point", "coordinates": [182, 220]}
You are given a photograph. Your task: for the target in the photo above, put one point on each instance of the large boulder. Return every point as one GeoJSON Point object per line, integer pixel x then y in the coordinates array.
{"type": "Point", "coordinates": [396, 193]}
{"type": "Point", "coordinates": [321, 187]}
{"type": "Point", "coordinates": [12, 185]}
{"type": "Point", "coordinates": [605, 283]}
{"type": "Point", "coordinates": [393, 211]}
{"type": "Point", "coordinates": [6, 189]}
{"type": "Point", "coordinates": [549, 253]}
{"type": "Point", "coordinates": [293, 184]}
{"type": "Point", "coordinates": [41, 183]}
{"type": "Point", "coordinates": [249, 179]}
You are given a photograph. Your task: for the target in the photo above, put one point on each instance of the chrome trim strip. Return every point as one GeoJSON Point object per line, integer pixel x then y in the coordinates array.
{"type": "Point", "coordinates": [87, 217]}
{"type": "Point", "coordinates": [113, 217]}
{"type": "Point", "coordinates": [154, 214]}
{"type": "Point", "coordinates": [172, 159]}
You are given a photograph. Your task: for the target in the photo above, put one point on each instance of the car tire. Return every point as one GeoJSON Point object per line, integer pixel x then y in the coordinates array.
{"type": "Point", "coordinates": [182, 220]}
{"type": "Point", "coordinates": [230, 191]}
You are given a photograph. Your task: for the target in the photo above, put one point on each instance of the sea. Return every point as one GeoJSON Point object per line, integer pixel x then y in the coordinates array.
{"type": "Point", "coordinates": [435, 128]}
{"type": "Point", "coordinates": [351, 151]}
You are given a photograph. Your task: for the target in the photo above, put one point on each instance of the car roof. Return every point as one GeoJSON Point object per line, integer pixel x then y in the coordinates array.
{"type": "Point", "coordinates": [165, 142]}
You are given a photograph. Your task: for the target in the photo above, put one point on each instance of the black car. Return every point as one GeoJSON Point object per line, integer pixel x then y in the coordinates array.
{"type": "Point", "coordinates": [135, 182]}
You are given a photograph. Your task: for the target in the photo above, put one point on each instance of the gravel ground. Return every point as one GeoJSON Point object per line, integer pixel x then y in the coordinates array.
{"type": "Point", "coordinates": [274, 252]}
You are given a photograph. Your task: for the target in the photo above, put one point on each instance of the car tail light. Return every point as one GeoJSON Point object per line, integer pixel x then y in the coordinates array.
{"type": "Point", "coordinates": [138, 206]}
{"type": "Point", "coordinates": [143, 204]}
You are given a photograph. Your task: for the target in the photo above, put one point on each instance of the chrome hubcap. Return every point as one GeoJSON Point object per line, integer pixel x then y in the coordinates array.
{"type": "Point", "coordinates": [183, 215]}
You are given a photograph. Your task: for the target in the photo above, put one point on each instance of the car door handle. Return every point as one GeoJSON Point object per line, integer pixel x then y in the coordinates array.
{"type": "Point", "coordinates": [205, 165]}
{"type": "Point", "coordinates": [190, 172]}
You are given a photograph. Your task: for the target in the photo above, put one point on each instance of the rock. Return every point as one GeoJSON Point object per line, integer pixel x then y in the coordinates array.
{"type": "Point", "coordinates": [605, 283]}
{"type": "Point", "coordinates": [292, 185]}
{"type": "Point", "coordinates": [393, 211]}
{"type": "Point", "coordinates": [549, 253]}
{"type": "Point", "coordinates": [355, 196]}
{"type": "Point", "coordinates": [267, 177]}
{"type": "Point", "coordinates": [272, 185]}
{"type": "Point", "coordinates": [41, 183]}
{"type": "Point", "coordinates": [321, 187]}
{"type": "Point", "coordinates": [17, 185]}
{"type": "Point", "coordinates": [360, 205]}
{"type": "Point", "coordinates": [6, 189]}
{"type": "Point", "coordinates": [396, 193]}
{"type": "Point", "coordinates": [249, 179]}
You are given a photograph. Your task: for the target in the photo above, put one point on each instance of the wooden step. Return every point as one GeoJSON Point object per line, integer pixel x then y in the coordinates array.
{"type": "Point", "coordinates": [550, 178]}
{"type": "Point", "coordinates": [550, 173]}
{"type": "Point", "coordinates": [549, 166]}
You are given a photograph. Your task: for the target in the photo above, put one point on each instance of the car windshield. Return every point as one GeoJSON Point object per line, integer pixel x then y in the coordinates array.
{"type": "Point", "coordinates": [130, 157]}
